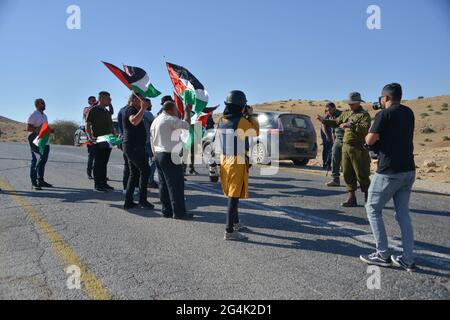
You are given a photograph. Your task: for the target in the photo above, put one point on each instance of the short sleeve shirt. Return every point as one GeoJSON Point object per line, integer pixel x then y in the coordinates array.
{"type": "Point", "coordinates": [101, 121]}
{"type": "Point", "coordinates": [395, 125]}
{"type": "Point", "coordinates": [36, 119]}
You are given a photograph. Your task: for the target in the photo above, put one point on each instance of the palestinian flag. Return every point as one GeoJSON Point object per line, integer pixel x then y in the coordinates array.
{"type": "Point", "coordinates": [136, 79]}
{"type": "Point", "coordinates": [43, 138]}
{"type": "Point", "coordinates": [204, 116]}
{"type": "Point", "coordinates": [191, 91]}
{"type": "Point", "coordinates": [179, 104]}
{"type": "Point", "coordinates": [109, 141]}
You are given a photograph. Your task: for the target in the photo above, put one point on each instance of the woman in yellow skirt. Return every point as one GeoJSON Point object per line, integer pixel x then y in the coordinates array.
{"type": "Point", "coordinates": [235, 128]}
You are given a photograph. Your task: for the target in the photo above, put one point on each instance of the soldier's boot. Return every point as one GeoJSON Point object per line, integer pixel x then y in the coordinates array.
{"type": "Point", "coordinates": [351, 201]}
{"type": "Point", "coordinates": [336, 182]}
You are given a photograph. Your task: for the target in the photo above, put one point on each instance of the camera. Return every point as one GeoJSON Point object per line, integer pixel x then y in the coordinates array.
{"type": "Point", "coordinates": [377, 106]}
{"type": "Point", "coordinates": [373, 150]}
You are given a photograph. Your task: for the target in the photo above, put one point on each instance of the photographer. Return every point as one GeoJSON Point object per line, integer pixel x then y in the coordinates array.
{"type": "Point", "coordinates": [392, 133]}
{"type": "Point", "coordinates": [237, 125]}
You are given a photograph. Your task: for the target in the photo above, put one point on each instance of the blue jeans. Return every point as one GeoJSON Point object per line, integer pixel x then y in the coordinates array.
{"type": "Point", "coordinates": [382, 189]}
{"type": "Point", "coordinates": [37, 170]}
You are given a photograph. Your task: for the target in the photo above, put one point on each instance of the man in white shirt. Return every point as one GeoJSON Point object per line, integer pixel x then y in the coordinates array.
{"type": "Point", "coordinates": [37, 170]}
{"type": "Point", "coordinates": [165, 135]}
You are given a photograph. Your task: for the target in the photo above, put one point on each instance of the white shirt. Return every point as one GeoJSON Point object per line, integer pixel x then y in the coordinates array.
{"type": "Point", "coordinates": [165, 133]}
{"type": "Point", "coordinates": [36, 119]}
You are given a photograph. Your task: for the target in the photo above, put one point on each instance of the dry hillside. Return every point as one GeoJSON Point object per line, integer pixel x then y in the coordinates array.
{"type": "Point", "coordinates": [12, 131]}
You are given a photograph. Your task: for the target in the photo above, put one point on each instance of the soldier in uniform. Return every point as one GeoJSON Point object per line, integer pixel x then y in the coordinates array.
{"type": "Point", "coordinates": [355, 158]}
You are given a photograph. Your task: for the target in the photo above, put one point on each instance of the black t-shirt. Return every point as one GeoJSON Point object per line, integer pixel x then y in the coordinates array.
{"type": "Point", "coordinates": [395, 125]}
{"type": "Point", "coordinates": [133, 135]}
{"type": "Point", "coordinates": [101, 121]}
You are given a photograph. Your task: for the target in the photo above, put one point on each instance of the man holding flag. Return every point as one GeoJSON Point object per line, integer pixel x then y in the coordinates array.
{"type": "Point", "coordinates": [38, 139]}
{"type": "Point", "coordinates": [134, 149]}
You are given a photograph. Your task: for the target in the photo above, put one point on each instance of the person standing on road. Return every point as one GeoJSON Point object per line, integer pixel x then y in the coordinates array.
{"type": "Point", "coordinates": [327, 143]}
{"type": "Point", "coordinates": [90, 164]}
{"type": "Point", "coordinates": [166, 144]}
{"type": "Point", "coordinates": [392, 135]}
{"type": "Point", "coordinates": [37, 170]}
{"type": "Point", "coordinates": [355, 158]}
{"type": "Point", "coordinates": [92, 101]}
{"type": "Point", "coordinates": [236, 127]}
{"type": "Point", "coordinates": [338, 137]}
{"type": "Point", "coordinates": [99, 123]}
{"type": "Point", "coordinates": [126, 168]}
{"type": "Point", "coordinates": [148, 120]}
{"type": "Point", "coordinates": [134, 143]}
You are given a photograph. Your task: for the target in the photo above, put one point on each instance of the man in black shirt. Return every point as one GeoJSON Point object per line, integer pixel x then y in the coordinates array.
{"type": "Point", "coordinates": [134, 140]}
{"type": "Point", "coordinates": [99, 123]}
{"type": "Point", "coordinates": [392, 135]}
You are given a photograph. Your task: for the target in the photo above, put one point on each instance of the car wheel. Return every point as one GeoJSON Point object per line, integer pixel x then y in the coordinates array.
{"type": "Point", "coordinates": [259, 154]}
{"type": "Point", "coordinates": [300, 162]}
{"type": "Point", "coordinates": [77, 141]}
{"type": "Point", "coordinates": [213, 179]}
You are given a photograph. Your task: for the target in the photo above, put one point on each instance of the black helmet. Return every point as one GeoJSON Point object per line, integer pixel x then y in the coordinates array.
{"type": "Point", "coordinates": [236, 98]}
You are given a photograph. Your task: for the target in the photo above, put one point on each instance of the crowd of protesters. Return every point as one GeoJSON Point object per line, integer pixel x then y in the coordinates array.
{"type": "Point", "coordinates": [148, 145]}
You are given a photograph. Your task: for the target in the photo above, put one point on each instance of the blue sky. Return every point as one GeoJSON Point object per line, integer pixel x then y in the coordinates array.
{"type": "Point", "coordinates": [272, 49]}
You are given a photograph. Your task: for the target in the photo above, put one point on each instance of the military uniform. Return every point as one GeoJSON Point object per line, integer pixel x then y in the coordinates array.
{"type": "Point", "coordinates": [355, 159]}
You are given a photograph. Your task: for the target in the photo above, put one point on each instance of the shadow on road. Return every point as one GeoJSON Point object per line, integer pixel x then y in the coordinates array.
{"type": "Point", "coordinates": [49, 161]}
{"type": "Point", "coordinates": [69, 195]}
{"type": "Point", "coordinates": [426, 212]}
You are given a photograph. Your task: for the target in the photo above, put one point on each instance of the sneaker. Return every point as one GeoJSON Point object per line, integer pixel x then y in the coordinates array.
{"type": "Point", "coordinates": [397, 261]}
{"type": "Point", "coordinates": [239, 227]}
{"type": "Point", "coordinates": [146, 205]}
{"type": "Point", "coordinates": [375, 259]}
{"type": "Point", "coordinates": [131, 205]}
{"type": "Point", "coordinates": [44, 184]}
{"type": "Point", "coordinates": [235, 236]}
{"type": "Point", "coordinates": [35, 186]}
{"type": "Point", "coordinates": [334, 183]}
{"type": "Point", "coordinates": [192, 172]}
{"type": "Point", "coordinates": [101, 189]}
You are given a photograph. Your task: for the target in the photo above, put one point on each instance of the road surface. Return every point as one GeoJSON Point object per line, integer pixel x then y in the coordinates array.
{"type": "Point", "coordinates": [302, 245]}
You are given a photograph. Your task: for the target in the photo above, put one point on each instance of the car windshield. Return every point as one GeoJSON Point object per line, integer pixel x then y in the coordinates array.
{"type": "Point", "coordinates": [294, 122]}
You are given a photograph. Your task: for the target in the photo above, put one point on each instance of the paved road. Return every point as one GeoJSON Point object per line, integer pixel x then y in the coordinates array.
{"type": "Point", "coordinates": [302, 245]}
